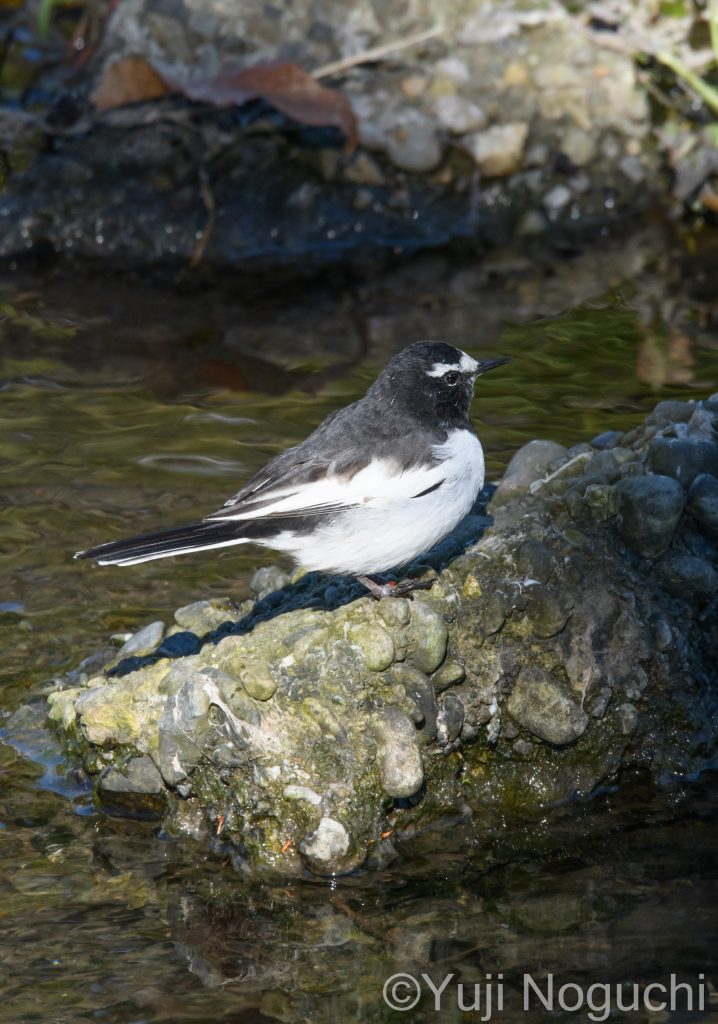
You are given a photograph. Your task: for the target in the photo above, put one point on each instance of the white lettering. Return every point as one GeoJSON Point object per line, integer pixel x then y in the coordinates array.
{"type": "Point", "coordinates": [437, 991]}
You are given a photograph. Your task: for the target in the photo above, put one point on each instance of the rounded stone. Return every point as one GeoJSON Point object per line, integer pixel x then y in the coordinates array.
{"type": "Point", "coordinates": [145, 641]}
{"type": "Point", "coordinates": [415, 148]}
{"type": "Point", "coordinates": [541, 704]}
{"type": "Point", "coordinates": [429, 637]}
{"type": "Point", "coordinates": [672, 411]}
{"type": "Point", "coordinates": [400, 765]}
{"type": "Point", "coordinates": [607, 440]}
{"type": "Point", "coordinates": [450, 674]}
{"type": "Point", "coordinates": [325, 850]}
{"type": "Point", "coordinates": [531, 462]}
{"type": "Point", "coordinates": [545, 614]}
{"type": "Point", "coordinates": [498, 150]}
{"type": "Point", "coordinates": [374, 643]}
{"type": "Point", "coordinates": [703, 503]}
{"type": "Point", "coordinates": [451, 718]}
{"type": "Point", "coordinates": [688, 577]}
{"type": "Point", "coordinates": [651, 508]}
{"type": "Point", "coordinates": [682, 458]}
{"type": "Point", "coordinates": [258, 681]}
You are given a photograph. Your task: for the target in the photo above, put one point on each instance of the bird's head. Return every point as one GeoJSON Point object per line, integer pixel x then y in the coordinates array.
{"type": "Point", "coordinates": [435, 376]}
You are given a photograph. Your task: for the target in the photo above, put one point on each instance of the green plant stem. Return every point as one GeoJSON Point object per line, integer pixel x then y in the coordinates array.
{"type": "Point", "coordinates": [705, 91]}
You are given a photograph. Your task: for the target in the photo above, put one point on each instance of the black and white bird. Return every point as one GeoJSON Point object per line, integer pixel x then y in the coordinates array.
{"type": "Point", "coordinates": [378, 482]}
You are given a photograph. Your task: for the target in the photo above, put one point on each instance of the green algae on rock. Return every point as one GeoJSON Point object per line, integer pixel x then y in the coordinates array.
{"type": "Point", "coordinates": [573, 639]}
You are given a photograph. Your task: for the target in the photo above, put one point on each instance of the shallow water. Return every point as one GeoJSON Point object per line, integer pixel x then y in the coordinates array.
{"type": "Point", "coordinates": [122, 410]}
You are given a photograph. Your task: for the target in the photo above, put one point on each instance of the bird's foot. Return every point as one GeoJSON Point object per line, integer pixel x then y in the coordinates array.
{"type": "Point", "coordinates": [404, 588]}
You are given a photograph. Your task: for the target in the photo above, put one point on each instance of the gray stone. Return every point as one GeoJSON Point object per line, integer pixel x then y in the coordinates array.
{"type": "Point", "coordinates": [608, 439]}
{"type": "Point", "coordinates": [202, 616]}
{"type": "Point", "coordinates": [672, 411]}
{"type": "Point", "coordinates": [415, 147]}
{"type": "Point", "coordinates": [688, 577]}
{"type": "Point", "coordinates": [266, 580]}
{"type": "Point", "coordinates": [683, 458]}
{"type": "Point", "coordinates": [651, 508]}
{"type": "Point", "coordinates": [451, 719]}
{"type": "Point", "coordinates": [420, 691]}
{"type": "Point", "coordinates": [703, 503]}
{"type": "Point", "coordinates": [541, 704]}
{"type": "Point", "coordinates": [145, 641]}
{"type": "Point", "coordinates": [400, 764]}
{"type": "Point", "coordinates": [138, 775]}
{"type": "Point", "coordinates": [530, 463]}
{"type": "Point", "coordinates": [628, 717]}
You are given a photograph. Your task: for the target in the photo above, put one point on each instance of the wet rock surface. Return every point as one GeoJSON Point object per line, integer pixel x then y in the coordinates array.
{"type": "Point", "coordinates": [569, 639]}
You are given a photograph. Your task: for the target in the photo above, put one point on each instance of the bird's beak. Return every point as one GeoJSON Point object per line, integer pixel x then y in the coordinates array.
{"type": "Point", "coordinates": [489, 364]}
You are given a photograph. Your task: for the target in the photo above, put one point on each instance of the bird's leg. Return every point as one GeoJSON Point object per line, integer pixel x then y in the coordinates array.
{"type": "Point", "coordinates": [391, 589]}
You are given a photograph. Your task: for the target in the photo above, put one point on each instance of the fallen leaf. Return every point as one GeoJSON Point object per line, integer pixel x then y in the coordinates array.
{"type": "Point", "coordinates": [284, 86]}
{"type": "Point", "coordinates": [129, 80]}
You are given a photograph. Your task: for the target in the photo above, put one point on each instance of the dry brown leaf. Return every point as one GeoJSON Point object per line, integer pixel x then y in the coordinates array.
{"type": "Point", "coordinates": [284, 86]}
{"type": "Point", "coordinates": [129, 80]}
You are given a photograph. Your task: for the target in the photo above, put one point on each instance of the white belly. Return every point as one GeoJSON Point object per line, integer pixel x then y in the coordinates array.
{"type": "Point", "coordinates": [389, 531]}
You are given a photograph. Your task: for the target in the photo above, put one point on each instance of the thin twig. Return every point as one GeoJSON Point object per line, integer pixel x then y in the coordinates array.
{"type": "Point", "coordinates": [209, 205]}
{"type": "Point", "coordinates": [377, 53]}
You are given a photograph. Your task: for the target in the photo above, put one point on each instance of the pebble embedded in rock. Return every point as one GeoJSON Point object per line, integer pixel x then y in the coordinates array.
{"type": "Point", "coordinates": [541, 704]}
{"type": "Point", "coordinates": [374, 643]}
{"type": "Point", "coordinates": [688, 577]}
{"type": "Point", "coordinates": [703, 503]}
{"type": "Point", "coordinates": [420, 691]}
{"type": "Point", "coordinates": [258, 681]}
{"type": "Point", "coordinates": [326, 848]}
{"type": "Point", "coordinates": [450, 674]}
{"type": "Point", "coordinates": [498, 150]}
{"type": "Point", "coordinates": [429, 637]}
{"type": "Point", "coordinates": [536, 561]}
{"type": "Point", "coordinates": [145, 641]}
{"type": "Point", "coordinates": [545, 613]}
{"type": "Point", "coordinates": [400, 765]}
{"type": "Point", "coordinates": [682, 458]}
{"type": "Point", "coordinates": [459, 115]}
{"type": "Point", "coordinates": [451, 718]}
{"type": "Point", "coordinates": [651, 508]}
{"type": "Point", "coordinates": [414, 147]}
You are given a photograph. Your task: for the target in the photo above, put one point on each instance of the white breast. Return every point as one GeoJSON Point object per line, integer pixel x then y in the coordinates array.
{"type": "Point", "coordinates": [393, 527]}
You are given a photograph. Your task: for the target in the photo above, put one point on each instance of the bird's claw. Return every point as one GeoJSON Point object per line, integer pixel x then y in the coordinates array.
{"type": "Point", "coordinates": [404, 588]}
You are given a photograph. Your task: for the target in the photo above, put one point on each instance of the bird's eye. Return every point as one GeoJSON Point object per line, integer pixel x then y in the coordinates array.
{"type": "Point", "coordinates": [452, 378]}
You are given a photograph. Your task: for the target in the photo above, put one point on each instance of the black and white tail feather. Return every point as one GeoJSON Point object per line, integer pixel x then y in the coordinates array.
{"type": "Point", "coordinates": [375, 485]}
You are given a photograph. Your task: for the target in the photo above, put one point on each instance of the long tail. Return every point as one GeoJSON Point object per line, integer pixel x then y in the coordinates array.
{"type": "Point", "coordinates": [163, 543]}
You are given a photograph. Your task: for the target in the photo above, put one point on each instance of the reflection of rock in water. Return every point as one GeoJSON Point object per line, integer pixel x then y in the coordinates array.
{"type": "Point", "coordinates": [586, 894]}
{"type": "Point", "coordinates": [313, 727]}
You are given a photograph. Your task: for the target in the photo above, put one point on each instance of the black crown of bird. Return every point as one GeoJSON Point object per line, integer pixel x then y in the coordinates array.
{"type": "Point", "coordinates": [378, 483]}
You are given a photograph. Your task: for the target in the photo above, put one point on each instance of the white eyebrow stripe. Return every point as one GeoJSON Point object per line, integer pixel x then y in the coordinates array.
{"type": "Point", "coordinates": [466, 365]}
